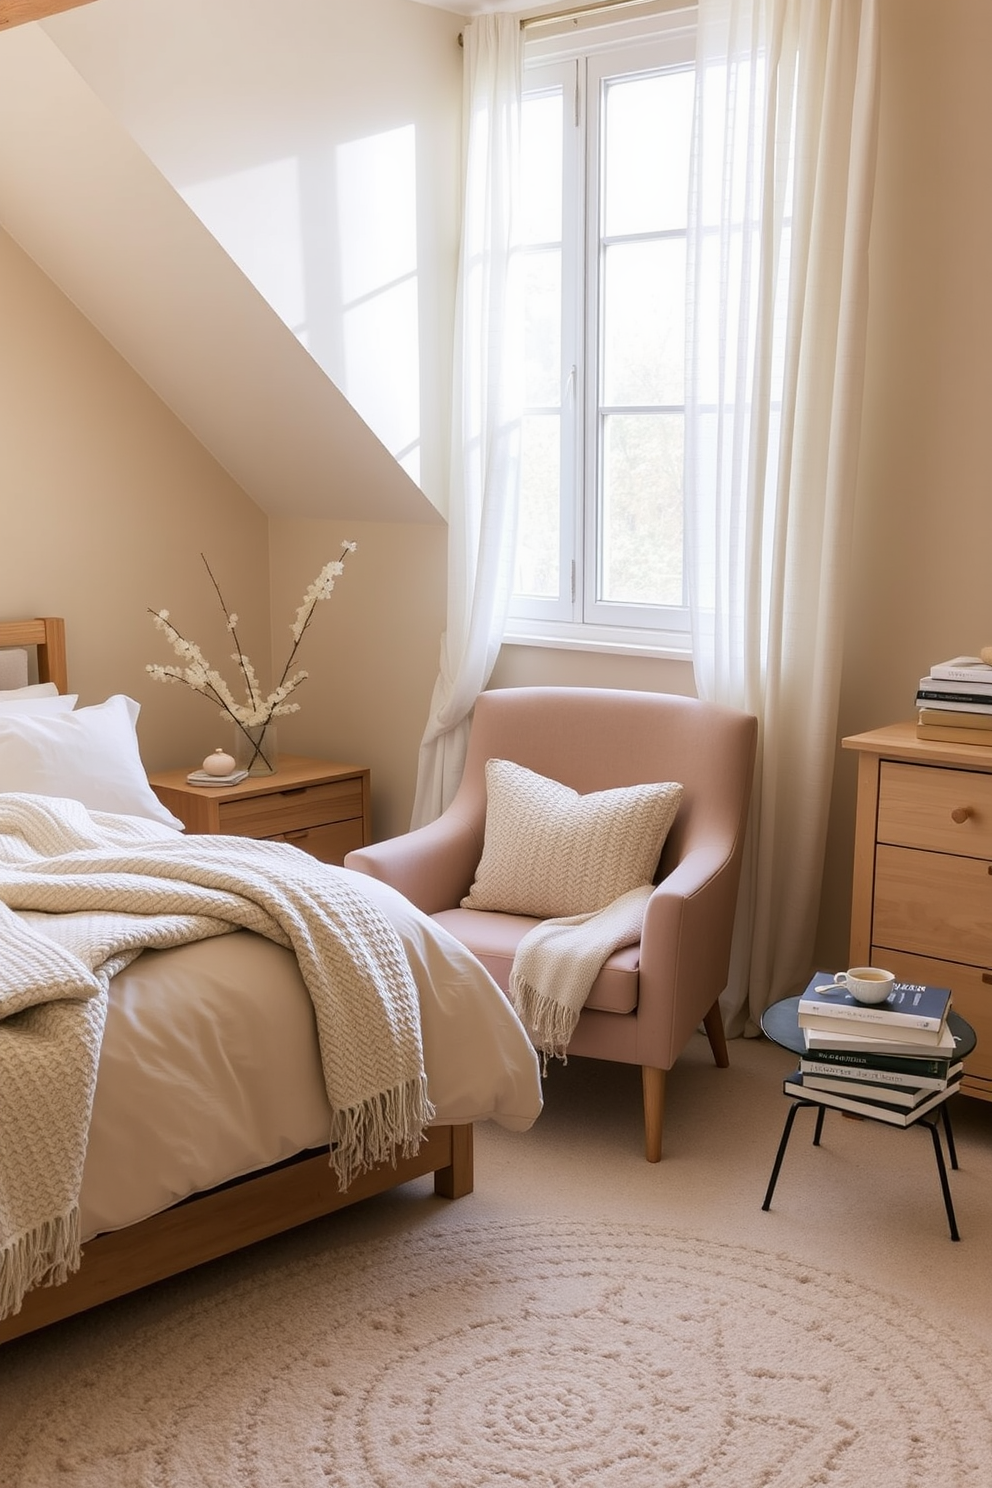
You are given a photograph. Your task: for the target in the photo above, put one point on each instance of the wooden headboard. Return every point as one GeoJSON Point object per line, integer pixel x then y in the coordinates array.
{"type": "Point", "coordinates": [48, 638]}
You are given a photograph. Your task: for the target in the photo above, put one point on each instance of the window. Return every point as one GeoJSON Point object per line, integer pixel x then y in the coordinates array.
{"type": "Point", "coordinates": [605, 153]}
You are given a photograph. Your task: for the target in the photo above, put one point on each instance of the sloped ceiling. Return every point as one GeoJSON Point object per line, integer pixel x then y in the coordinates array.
{"type": "Point", "coordinates": [87, 205]}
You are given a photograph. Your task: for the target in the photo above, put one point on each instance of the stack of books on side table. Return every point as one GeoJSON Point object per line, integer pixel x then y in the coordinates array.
{"type": "Point", "coordinates": [954, 702]}
{"type": "Point", "coordinates": [893, 1061]}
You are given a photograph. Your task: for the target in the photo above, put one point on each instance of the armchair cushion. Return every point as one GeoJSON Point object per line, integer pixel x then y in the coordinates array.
{"type": "Point", "coordinates": [549, 852]}
{"type": "Point", "coordinates": [493, 940]}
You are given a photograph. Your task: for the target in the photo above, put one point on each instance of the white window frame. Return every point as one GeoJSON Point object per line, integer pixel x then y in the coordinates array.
{"type": "Point", "coordinates": [577, 57]}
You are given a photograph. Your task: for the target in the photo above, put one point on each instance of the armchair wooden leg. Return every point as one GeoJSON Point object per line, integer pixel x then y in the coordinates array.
{"type": "Point", "coordinates": [713, 1023]}
{"type": "Point", "coordinates": [653, 1086]}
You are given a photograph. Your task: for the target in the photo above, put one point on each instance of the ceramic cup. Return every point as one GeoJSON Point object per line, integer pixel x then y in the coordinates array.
{"type": "Point", "coordinates": [866, 983]}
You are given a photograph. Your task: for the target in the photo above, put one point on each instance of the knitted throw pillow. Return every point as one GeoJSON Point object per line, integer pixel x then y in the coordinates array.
{"type": "Point", "coordinates": [549, 852]}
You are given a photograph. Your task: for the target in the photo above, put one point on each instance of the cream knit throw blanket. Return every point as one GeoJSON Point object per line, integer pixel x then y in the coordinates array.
{"type": "Point", "coordinates": [557, 962]}
{"type": "Point", "coordinates": [81, 894]}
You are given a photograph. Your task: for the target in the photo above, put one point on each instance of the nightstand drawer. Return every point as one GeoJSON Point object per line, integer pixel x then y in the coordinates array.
{"type": "Point", "coordinates": [278, 813]}
{"type": "Point", "coordinates": [328, 843]}
{"type": "Point", "coordinates": [971, 996]}
{"type": "Point", "coordinates": [948, 811]}
{"type": "Point", "coordinates": [933, 904]}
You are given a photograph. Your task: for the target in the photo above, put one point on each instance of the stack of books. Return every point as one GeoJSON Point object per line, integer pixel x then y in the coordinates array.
{"type": "Point", "coordinates": [893, 1061]}
{"type": "Point", "coordinates": [954, 702]}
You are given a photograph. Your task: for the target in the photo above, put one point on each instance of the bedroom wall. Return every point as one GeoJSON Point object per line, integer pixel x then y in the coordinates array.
{"type": "Point", "coordinates": [372, 649]}
{"type": "Point", "coordinates": [919, 570]}
{"type": "Point", "coordinates": [107, 502]}
{"type": "Point", "coordinates": [320, 144]}
{"type": "Point", "coordinates": [920, 587]}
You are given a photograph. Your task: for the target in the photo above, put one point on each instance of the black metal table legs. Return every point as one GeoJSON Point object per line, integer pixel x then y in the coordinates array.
{"type": "Point", "coordinates": [945, 1187]}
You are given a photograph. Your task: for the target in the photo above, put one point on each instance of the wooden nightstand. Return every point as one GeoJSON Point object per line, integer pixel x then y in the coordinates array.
{"type": "Point", "coordinates": [922, 903]}
{"type": "Point", "coordinates": [321, 807]}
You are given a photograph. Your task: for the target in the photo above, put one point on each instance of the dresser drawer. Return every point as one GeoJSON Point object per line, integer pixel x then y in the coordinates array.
{"type": "Point", "coordinates": [277, 813]}
{"type": "Point", "coordinates": [947, 811]}
{"type": "Point", "coordinates": [328, 843]}
{"type": "Point", "coordinates": [933, 904]}
{"type": "Point", "coordinates": [971, 989]}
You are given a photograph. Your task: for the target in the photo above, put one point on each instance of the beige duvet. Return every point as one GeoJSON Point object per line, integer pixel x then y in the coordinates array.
{"type": "Point", "coordinates": [209, 1066]}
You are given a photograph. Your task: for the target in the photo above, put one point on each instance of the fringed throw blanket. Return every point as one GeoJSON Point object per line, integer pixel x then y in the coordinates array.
{"type": "Point", "coordinates": [81, 894]}
{"type": "Point", "coordinates": [557, 962]}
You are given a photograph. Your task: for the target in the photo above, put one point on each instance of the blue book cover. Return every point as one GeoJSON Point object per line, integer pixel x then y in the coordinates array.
{"type": "Point", "coordinates": [909, 1004]}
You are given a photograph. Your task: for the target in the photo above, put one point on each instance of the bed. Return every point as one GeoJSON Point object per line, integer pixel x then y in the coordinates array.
{"type": "Point", "coordinates": [209, 1124]}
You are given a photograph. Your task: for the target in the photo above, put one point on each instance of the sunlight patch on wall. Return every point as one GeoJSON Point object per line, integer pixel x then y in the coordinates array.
{"type": "Point", "coordinates": [377, 224]}
{"type": "Point", "coordinates": [332, 246]}
{"type": "Point", "coordinates": [255, 214]}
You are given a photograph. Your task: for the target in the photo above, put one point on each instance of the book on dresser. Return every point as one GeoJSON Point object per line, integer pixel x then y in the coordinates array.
{"type": "Point", "coordinates": [950, 733]}
{"type": "Point", "coordinates": [878, 1110]}
{"type": "Point", "coordinates": [947, 717]}
{"type": "Point", "coordinates": [963, 669]}
{"type": "Point", "coordinates": [942, 695]}
{"type": "Point", "coordinates": [911, 1008]}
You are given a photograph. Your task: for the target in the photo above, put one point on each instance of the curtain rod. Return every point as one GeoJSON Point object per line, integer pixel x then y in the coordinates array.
{"type": "Point", "coordinates": [578, 11]}
{"type": "Point", "coordinates": [575, 13]}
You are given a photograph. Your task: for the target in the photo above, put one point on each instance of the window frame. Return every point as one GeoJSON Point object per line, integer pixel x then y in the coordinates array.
{"type": "Point", "coordinates": [579, 58]}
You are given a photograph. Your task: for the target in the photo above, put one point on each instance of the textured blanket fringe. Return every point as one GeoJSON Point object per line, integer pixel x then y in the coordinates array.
{"type": "Point", "coordinates": [548, 1022]}
{"type": "Point", "coordinates": [44, 1256]}
{"type": "Point", "coordinates": [366, 1135]}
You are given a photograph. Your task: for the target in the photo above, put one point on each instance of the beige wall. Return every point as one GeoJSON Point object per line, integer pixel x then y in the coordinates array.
{"type": "Point", "coordinates": [106, 503]}
{"type": "Point", "coordinates": [372, 650]}
{"type": "Point", "coordinates": [920, 576]}
{"type": "Point", "coordinates": [921, 588]}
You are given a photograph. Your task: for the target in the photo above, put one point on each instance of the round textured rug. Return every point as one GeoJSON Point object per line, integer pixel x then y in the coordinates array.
{"type": "Point", "coordinates": [533, 1352]}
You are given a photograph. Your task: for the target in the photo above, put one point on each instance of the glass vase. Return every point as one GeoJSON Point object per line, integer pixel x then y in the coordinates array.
{"type": "Point", "coordinates": [255, 749]}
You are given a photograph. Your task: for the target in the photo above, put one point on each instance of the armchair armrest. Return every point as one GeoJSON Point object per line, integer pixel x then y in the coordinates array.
{"type": "Point", "coordinates": [432, 866]}
{"type": "Point", "coordinates": [685, 945]}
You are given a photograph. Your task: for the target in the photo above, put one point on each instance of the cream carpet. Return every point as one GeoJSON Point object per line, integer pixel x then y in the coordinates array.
{"type": "Point", "coordinates": [582, 1319]}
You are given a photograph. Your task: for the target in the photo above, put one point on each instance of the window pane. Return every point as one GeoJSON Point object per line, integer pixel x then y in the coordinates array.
{"type": "Point", "coordinates": [537, 568]}
{"type": "Point", "coordinates": [644, 322]}
{"type": "Point", "coordinates": [646, 152]}
{"type": "Point", "coordinates": [542, 329]}
{"type": "Point", "coordinates": [540, 168]}
{"type": "Point", "coordinates": [641, 517]}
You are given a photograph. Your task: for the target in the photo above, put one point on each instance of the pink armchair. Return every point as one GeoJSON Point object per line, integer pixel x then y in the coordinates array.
{"type": "Point", "coordinates": [649, 998]}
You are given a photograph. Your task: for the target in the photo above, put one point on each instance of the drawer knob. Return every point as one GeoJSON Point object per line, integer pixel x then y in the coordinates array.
{"type": "Point", "coordinates": [960, 813]}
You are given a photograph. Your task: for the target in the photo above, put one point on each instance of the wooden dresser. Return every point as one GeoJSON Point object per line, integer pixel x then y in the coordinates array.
{"type": "Point", "coordinates": [922, 900]}
{"type": "Point", "coordinates": [321, 807]}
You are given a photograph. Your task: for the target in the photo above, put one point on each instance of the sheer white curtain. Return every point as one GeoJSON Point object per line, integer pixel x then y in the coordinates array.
{"type": "Point", "coordinates": [485, 443]}
{"type": "Point", "coordinates": [782, 179]}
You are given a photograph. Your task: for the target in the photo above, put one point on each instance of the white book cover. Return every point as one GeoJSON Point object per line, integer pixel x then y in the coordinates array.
{"type": "Point", "coordinates": [963, 669]}
{"type": "Point", "coordinates": [816, 1038]}
{"type": "Point", "coordinates": [977, 685]}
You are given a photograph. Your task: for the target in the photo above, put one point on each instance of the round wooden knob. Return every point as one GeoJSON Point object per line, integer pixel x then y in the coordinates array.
{"type": "Point", "coordinates": [960, 813]}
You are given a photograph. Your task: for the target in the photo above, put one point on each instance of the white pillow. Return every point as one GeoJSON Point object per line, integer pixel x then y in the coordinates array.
{"type": "Point", "coordinates": [32, 689]}
{"type": "Point", "coordinates": [90, 755]}
{"type": "Point", "coordinates": [15, 702]}
{"type": "Point", "coordinates": [549, 852]}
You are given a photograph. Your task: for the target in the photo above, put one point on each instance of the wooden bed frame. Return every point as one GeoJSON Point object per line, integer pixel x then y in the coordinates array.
{"type": "Point", "coordinates": [239, 1213]}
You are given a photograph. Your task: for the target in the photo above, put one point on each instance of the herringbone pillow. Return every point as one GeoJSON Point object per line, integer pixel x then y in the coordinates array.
{"type": "Point", "coordinates": [550, 852]}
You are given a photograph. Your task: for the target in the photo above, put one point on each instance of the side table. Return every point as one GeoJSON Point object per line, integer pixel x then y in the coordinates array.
{"type": "Point", "coordinates": [319, 806]}
{"type": "Point", "coordinates": [780, 1023]}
